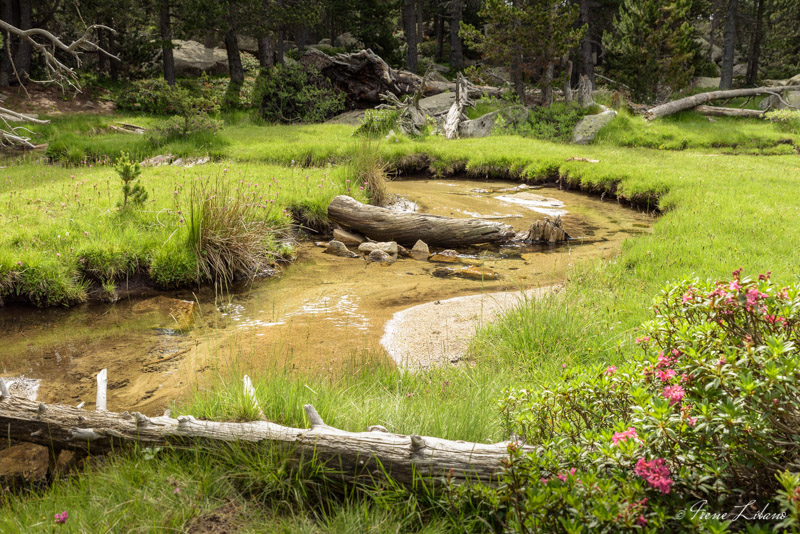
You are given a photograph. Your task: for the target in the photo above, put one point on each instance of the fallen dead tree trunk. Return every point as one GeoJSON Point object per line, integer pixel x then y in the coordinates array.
{"type": "Point", "coordinates": [729, 112]}
{"type": "Point", "coordinates": [355, 456]}
{"type": "Point", "coordinates": [406, 228]}
{"type": "Point", "coordinates": [695, 100]}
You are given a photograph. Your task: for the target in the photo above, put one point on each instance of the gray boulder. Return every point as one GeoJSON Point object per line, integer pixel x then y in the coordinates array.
{"type": "Point", "coordinates": [381, 256]}
{"type": "Point", "coordinates": [389, 247]}
{"type": "Point", "coordinates": [346, 40]}
{"type": "Point", "coordinates": [337, 248]}
{"type": "Point", "coordinates": [348, 238]}
{"type": "Point", "coordinates": [193, 59]}
{"type": "Point", "coordinates": [480, 127]}
{"type": "Point", "coordinates": [420, 251]}
{"type": "Point", "coordinates": [586, 130]}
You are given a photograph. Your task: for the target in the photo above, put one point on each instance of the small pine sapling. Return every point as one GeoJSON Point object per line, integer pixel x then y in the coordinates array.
{"type": "Point", "coordinates": [129, 173]}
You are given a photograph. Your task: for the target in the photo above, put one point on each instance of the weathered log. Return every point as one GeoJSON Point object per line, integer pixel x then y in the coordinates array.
{"type": "Point", "coordinates": [695, 100]}
{"type": "Point", "coordinates": [355, 456]}
{"type": "Point", "coordinates": [456, 113]}
{"type": "Point", "coordinates": [715, 111]}
{"type": "Point", "coordinates": [406, 228]}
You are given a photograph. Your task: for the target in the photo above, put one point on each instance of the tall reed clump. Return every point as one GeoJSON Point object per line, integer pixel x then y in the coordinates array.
{"type": "Point", "coordinates": [233, 234]}
{"type": "Point", "coordinates": [367, 168]}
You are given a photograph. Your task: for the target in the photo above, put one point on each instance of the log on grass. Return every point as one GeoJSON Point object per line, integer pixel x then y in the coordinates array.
{"type": "Point", "coordinates": [695, 100]}
{"type": "Point", "coordinates": [406, 228]}
{"type": "Point", "coordinates": [355, 456]}
{"type": "Point", "coordinates": [715, 111]}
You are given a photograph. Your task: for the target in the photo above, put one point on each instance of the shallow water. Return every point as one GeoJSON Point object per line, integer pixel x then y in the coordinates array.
{"type": "Point", "coordinates": [323, 315]}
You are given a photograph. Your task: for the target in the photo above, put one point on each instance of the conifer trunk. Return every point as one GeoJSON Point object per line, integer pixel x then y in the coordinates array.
{"type": "Point", "coordinates": [729, 44]}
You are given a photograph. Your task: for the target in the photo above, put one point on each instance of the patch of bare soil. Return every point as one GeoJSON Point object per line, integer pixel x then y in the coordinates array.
{"type": "Point", "coordinates": [223, 520]}
{"type": "Point", "coordinates": [39, 100]}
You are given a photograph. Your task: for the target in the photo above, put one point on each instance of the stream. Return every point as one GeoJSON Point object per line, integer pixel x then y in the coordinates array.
{"type": "Point", "coordinates": [323, 315]}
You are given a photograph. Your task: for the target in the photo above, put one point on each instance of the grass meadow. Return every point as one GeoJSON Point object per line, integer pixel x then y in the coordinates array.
{"type": "Point", "coordinates": [727, 199]}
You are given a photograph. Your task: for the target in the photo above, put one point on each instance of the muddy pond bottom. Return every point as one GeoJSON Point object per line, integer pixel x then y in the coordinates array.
{"type": "Point", "coordinates": [324, 315]}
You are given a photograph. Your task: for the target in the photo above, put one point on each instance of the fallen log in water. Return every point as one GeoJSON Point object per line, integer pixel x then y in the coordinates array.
{"type": "Point", "coordinates": [355, 456]}
{"type": "Point", "coordinates": [406, 228]}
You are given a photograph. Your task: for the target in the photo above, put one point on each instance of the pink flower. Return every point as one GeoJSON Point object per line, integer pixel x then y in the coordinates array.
{"type": "Point", "coordinates": [62, 517]}
{"type": "Point", "coordinates": [610, 371]}
{"type": "Point", "coordinates": [642, 339]}
{"type": "Point", "coordinates": [641, 521]}
{"type": "Point", "coordinates": [563, 365]}
{"type": "Point", "coordinates": [656, 473]}
{"type": "Point", "coordinates": [543, 480]}
{"type": "Point", "coordinates": [666, 375]}
{"type": "Point", "coordinates": [735, 285]}
{"type": "Point", "coordinates": [687, 297]}
{"type": "Point", "coordinates": [622, 436]}
{"type": "Point", "coordinates": [691, 421]}
{"type": "Point", "coordinates": [176, 491]}
{"type": "Point", "coordinates": [563, 476]}
{"type": "Point", "coordinates": [674, 394]}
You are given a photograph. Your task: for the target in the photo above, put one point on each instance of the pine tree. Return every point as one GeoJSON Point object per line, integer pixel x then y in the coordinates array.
{"type": "Point", "coordinates": [652, 48]}
{"type": "Point", "coordinates": [527, 35]}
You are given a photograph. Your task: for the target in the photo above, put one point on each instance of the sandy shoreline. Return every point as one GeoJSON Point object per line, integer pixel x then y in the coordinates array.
{"type": "Point", "coordinates": [439, 332]}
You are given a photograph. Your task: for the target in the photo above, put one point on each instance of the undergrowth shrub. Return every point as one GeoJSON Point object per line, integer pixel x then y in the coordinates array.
{"type": "Point", "coordinates": [290, 94]}
{"type": "Point", "coordinates": [552, 123]}
{"type": "Point", "coordinates": [157, 97]}
{"type": "Point", "coordinates": [377, 122]}
{"type": "Point", "coordinates": [787, 120]}
{"type": "Point", "coordinates": [233, 233]}
{"type": "Point", "coordinates": [705, 422]}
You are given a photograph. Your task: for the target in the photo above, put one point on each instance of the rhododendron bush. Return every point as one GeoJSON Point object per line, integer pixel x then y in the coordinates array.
{"type": "Point", "coordinates": [703, 428]}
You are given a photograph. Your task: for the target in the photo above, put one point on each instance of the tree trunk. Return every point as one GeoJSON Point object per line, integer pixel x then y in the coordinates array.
{"type": "Point", "coordinates": [568, 76]}
{"type": "Point", "coordinates": [755, 44]}
{"type": "Point", "coordinates": [456, 48]}
{"type": "Point", "coordinates": [695, 100]}
{"type": "Point", "coordinates": [547, 85]}
{"type": "Point", "coordinates": [166, 38]}
{"type": "Point", "coordinates": [410, 30]}
{"type": "Point", "coordinates": [729, 44]}
{"type": "Point", "coordinates": [587, 54]}
{"type": "Point", "coordinates": [235, 68]}
{"type": "Point", "coordinates": [6, 70]}
{"type": "Point", "coordinates": [24, 52]}
{"type": "Point", "coordinates": [715, 7]}
{"type": "Point", "coordinates": [418, 10]}
{"type": "Point", "coordinates": [356, 456]}
{"type": "Point", "coordinates": [266, 58]}
{"type": "Point", "coordinates": [517, 72]}
{"type": "Point", "coordinates": [439, 22]}
{"type": "Point", "coordinates": [456, 112]}
{"type": "Point", "coordinates": [113, 68]}
{"type": "Point", "coordinates": [279, 52]}
{"type": "Point", "coordinates": [382, 224]}
{"type": "Point", "coordinates": [103, 60]}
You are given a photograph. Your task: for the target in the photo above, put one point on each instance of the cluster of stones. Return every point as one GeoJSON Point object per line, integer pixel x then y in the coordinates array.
{"type": "Point", "coordinates": [386, 253]}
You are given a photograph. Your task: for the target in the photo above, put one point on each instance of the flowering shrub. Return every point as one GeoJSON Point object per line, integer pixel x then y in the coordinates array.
{"type": "Point", "coordinates": [708, 413]}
